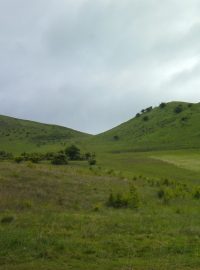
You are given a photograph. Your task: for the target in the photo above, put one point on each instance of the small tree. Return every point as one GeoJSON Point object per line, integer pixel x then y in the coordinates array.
{"type": "Point", "coordinates": [73, 152]}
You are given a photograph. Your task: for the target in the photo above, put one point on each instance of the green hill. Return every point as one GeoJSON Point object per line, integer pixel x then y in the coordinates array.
{"type": "Point", "coordinates": [174, 125]}
{"type": "Point", "coordinates": [21, 135]}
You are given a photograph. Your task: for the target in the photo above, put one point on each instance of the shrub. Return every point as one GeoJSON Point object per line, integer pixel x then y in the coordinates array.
{"type": "Point", "coordinates": [49, 156]}
{"type": "Point", "coordinates": [133, 198]}
{"type": "Point", "coordinates": [128, 200]}
{"type": "Point", "coordinates": [178, 109]}
{"type": "Point", "coordinates": [184, 119]}
{"type": "Point", "coordinates": [19, 159]}
{"type": "Point", "coordinates": [73, 152]}
{"type": "Point", "coordinates": [149, 109]}
{"type": "Point", "coordinates": [162, 105]}
{"type": "Point", "coordinates": [146, 118]}
{"type": "Point", "coordinates": [117, 201]}
{"type": "Point", "coordinates": [88, 155]}
{"type": "Point", "coordinates": [92, 161]}
{"type": "Point", "coordinates": [116, 137]}
{"type": "Point", "coordinates": [59, 159]}
{"type": "Point", "coordinates": [165, 194]}
{"type": "Point", "coordinates": [5, 156]}
{"type": "Point", "coordinates": [33, 157]}
{"type": "Point", "coordinates": [197, 193]}
{"type": "Point", "coordinates": [138, 115]}
{"type": "Point", "coordinates": [7, 219]}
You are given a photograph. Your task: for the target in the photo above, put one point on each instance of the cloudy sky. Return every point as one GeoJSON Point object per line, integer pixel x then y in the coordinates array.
{"type": "Point", "coordinates": [92, 64]}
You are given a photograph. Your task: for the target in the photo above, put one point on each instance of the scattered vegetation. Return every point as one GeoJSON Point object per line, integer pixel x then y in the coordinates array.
{"type": "Point", "coordinates": [119, 200]}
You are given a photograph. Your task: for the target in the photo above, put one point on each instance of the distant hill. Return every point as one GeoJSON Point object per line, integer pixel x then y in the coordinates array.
{"type": "Point", "coordinates": [174, 125]}
{"type": "Point", "coordinates": [18, 135]}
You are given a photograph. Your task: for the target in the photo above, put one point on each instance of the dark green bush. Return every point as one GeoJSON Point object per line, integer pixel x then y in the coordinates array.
{"type": "Point", "coordinates": [178, 109]}
{"type": "Point", "coordinates": [5, 155]}
{"type": "Point", "coordinates": [162, 105]}
{"type": "Point", "coordinates": [197, 193]}
{"type": "Point", "coordinates": [92, 161]}
{"type": "Point", "coordinates": [146, 118]}
{"type": "Point", "coordinates": [7, 219]}
{"type": "Point", "coordinates": [19, 159]}
{"type": "Point", "coordinates": [73, 152]}
{"type": "Point", "coordinates": [116, 137]}
{"type": "Point", "coordinates": [165, 194]}
{"type": "Point", "coordinates": [59, 159]}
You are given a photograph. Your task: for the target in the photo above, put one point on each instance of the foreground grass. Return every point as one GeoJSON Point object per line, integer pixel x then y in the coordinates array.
{"type": "Point", "coordinates": [56, 218]}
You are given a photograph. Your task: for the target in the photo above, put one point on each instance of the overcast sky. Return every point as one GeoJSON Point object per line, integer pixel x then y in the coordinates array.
{"type": "Point", "coordinates": [92, 64]}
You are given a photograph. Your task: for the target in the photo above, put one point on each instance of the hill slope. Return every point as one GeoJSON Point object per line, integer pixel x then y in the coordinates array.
{"type": "Point", "coordinates": [21, 135]}
{"type": "Point", "coordinates": [176, 125]}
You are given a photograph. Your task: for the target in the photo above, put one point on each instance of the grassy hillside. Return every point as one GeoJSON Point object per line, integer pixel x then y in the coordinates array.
{"type": "Point", "coordinates": [20, 135]}
{"type": "Point", "coordinates": [175, 126]}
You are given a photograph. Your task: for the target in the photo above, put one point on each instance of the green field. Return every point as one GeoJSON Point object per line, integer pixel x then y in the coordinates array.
{"type": "Point", "coordinates": [58, 217]}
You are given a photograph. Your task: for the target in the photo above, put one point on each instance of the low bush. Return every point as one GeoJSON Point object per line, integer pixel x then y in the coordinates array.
{"type": "Point", "coordinates": [59, 159]}
{"type": "Point", "coordinates": [127, 200]}
{"type": "Point", "coordinates": [197, 192]}
{"type": "Point", "coordinates": [178, 109]}
{"type": "Point", "coordinates": [7, 219]}
{"type": "Point", "coordinates": [145, 118]}
{"type": "Point", "coordinates": [165, 194]}
{"type": "Point", "coordinates": [162, 105]}
{"type": "Point", "coordinates": [92, 162]}
{"type": "Point", "coordinates": [5, 155]}
{"type": "Point", "coordinates": [19, 159]}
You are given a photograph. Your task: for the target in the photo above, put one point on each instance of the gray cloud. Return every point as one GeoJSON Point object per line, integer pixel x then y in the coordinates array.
{"type": "Point", "coordinates": [91, 65]}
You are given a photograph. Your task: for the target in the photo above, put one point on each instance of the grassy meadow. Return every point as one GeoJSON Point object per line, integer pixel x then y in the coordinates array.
{"type": "Point", "coordinates": [56, 217]}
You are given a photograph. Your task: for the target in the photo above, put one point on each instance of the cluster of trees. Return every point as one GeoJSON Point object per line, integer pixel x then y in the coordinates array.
{"type": "Point", "coordinates": [59, 158]}
{"type": "Point", "coordinates": [73, 153]}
